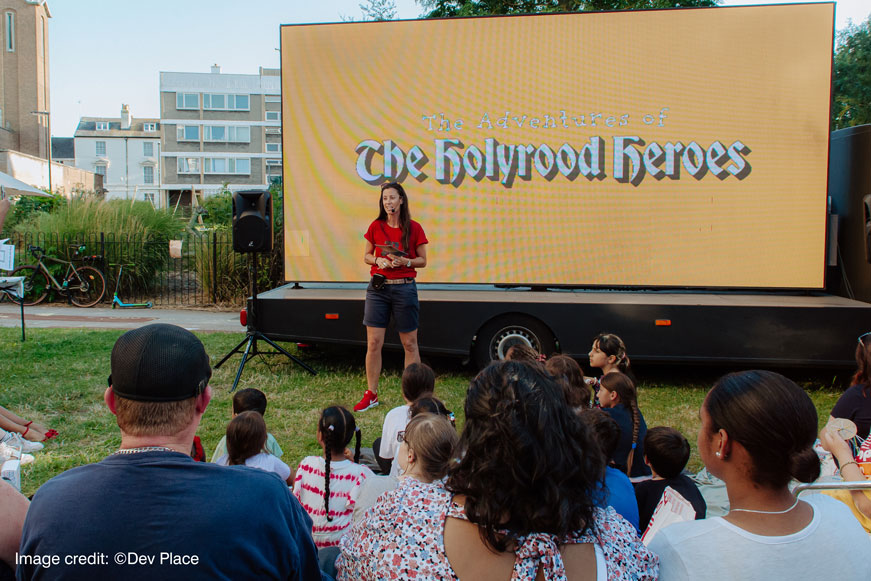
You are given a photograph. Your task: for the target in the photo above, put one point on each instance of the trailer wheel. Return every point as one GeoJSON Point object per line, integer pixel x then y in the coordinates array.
{"type": "Point", "coordinates": [496, 337]}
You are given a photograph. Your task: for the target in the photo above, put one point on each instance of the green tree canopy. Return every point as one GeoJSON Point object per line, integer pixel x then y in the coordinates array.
{"type": "Point", "coordinates": [452, 8]}
{"type": "Point", "coordinates": [851, 95]}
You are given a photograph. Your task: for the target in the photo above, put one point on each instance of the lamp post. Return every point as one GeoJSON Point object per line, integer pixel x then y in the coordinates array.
{"type": "Point", "coordinates": [48, 126]}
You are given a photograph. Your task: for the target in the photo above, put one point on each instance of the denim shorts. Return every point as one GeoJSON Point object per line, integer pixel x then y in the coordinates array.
{"type": "Point", "coordinates": [398, 299]}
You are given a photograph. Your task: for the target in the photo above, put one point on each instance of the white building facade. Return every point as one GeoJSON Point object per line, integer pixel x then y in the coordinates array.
{"type": "Point", "coordinates": [125, 151]}
{"type": "Point", "coordinates": [219, 130]}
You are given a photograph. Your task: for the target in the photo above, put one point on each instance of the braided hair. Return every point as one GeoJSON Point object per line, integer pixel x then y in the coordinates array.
{"type": "Point", "coordinates": [625, 389]}
{"type": "Point", "coordinates": [337, 427]}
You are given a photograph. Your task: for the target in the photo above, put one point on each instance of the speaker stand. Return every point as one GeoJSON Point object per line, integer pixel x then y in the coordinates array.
{"type": "Point", "coordinates": [252, 335]}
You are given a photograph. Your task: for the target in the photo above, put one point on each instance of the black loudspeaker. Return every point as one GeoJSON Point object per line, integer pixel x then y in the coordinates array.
{"type": "Point", "coordinates": [252, 221]}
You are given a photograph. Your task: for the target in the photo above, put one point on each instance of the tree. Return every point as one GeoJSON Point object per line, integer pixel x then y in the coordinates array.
{"type": "Point", "coordinates": [452, 8]}
{"type": "Point", "coordinates": [378, 9]}
{"type": "Point", "coordinates": [851, 99]}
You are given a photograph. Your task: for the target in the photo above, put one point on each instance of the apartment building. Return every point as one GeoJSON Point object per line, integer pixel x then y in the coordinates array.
{"type": "Point", "coordinates": [24, 86]}
{"type": "Point", "coordinates": [125, 151]}
{"type": "Point", "coordinates": [218, 129]}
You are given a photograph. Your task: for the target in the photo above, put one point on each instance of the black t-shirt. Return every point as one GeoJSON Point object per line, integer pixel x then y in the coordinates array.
{"type": "Point", "coordinates": [855, 405]}
{"type": "Point", "coordinates": [648, 493]}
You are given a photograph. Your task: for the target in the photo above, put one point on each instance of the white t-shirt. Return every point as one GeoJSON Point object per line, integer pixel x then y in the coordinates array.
{"type": "Point", "coordinates": [394, 422]}
{"type": "Point", "coordinates": [263, 461]}
{"type": "Point", "coordinates": [832, 546]}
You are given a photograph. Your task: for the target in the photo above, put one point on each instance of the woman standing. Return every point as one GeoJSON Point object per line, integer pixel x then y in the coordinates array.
{"type": "Point", "coordinates": [395, 248]}
{"type": "Point", "coordinates": [757, 434]}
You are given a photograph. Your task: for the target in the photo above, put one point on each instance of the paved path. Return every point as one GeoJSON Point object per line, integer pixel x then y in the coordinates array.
{"type": "Point", "coordinates": [59, 315]}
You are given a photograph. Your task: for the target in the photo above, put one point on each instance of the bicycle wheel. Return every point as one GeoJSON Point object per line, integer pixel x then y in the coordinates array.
{"type": "Point", "coordinates": [36, 285]}
{"type": "Point", "coordinates": [86, 286]}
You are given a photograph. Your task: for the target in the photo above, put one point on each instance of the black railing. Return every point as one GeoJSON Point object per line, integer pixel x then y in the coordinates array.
{"type": "Point", "coordinates": [192, 270]}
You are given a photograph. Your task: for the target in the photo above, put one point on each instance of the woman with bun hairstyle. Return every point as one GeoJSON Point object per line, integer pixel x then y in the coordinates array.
{"type": "Point", "coordinates": [757, 434]}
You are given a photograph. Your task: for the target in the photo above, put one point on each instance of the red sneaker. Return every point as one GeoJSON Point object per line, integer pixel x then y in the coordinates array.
{"type": "Point", "coordinates": [370, 400]}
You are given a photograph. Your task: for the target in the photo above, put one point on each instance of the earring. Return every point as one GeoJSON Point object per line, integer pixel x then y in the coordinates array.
{"type": "Point", "coordinates": [717, 454]}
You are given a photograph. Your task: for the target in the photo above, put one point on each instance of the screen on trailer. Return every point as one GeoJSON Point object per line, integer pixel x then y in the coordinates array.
{"type": "Point", "coordinates": [669, 148]}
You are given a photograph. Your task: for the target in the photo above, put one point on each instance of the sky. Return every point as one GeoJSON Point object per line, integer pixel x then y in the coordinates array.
{"type": "Point", "coordinates": [108, 52]}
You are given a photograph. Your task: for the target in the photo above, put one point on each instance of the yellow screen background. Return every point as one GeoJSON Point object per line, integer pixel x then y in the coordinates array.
{"type": "Point", "coordinates": [758, 75]}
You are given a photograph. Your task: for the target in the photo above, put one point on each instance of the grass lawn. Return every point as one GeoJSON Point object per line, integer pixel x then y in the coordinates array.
{"type": "Point", "coordinates": [58, 376]}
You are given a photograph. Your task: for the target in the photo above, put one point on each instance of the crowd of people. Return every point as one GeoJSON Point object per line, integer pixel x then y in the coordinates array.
{"type": "Point", "coordinates": [552, 475]}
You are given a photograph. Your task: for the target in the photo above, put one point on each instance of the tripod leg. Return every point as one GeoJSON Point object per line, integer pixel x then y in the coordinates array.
{"type": "Point", "coordinates": [245, 358]}
{"type": "Point", "coordinates": [283, 352]}
{"type": "Point", "coordinates": [231, 353]}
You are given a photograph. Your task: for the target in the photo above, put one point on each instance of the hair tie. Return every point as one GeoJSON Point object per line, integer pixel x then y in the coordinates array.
{"type": "Point", "coordinates": [331, 428]}
{"type": "Point", "coordinates": [634, 444]}
{"type": "Point", "coordinates": [357, 429]}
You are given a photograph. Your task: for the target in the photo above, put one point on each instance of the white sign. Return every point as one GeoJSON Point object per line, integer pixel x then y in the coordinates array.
{"type": "Point", "coordinates": [7, 255]}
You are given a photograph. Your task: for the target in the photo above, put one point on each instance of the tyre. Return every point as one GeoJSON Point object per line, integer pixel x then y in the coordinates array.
{"type": "Point", "coordinates": [497, 336]}
{"type": "Point", "coordinates": [86, 286]}
{"type": "Point", "coordinates": [36, 284]}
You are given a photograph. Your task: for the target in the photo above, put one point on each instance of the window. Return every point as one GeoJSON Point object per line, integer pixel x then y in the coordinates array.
{"type": "Point", "coordinates": [273, 98]}
{"type": "Point", "coordinates": [233, 165]}
{"type": "Point", "coordinates": [148, 149]}
{"type": "Point", "coordinates": [149, 126]}
{"type": "Point", "coordinates": [188, 133]}
{"type": "Point", "coordinates": [148, 175]}
{"type": "Point", "coordinates": [149, 197]}
{"type": "Point", "coordinates": [273, 147]}
{"type": "Point", "coordinates": [10, 32]}
{"type": "Point", "coordinates": [273, 116]}
{"type": "Point", "coordinates": [226, 102]}
{"type": "Point", "coordinates": [101, 148]}
{"type": "Point", "coordinates": [187, 100]}
{"type": "Point", "coordinates": [100, 169]}
{"type": "Point", "coordinates": [188, 165]}
{"type": "Point", "coordinates": [102, 126]}
{"type": "Point", "coordinates": [230, 134]}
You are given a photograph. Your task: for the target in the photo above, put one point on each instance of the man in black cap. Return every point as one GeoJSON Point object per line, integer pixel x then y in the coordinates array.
{"type": "Point", "coordinates": [148, 511]}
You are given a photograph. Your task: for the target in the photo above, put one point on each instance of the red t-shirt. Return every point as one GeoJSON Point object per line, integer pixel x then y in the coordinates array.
{"type": "Point", "coordinates": [380, 233]}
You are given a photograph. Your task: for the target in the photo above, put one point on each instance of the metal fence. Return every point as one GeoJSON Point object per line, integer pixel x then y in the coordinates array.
{"type": "Point", "coordinates": [195, 269]}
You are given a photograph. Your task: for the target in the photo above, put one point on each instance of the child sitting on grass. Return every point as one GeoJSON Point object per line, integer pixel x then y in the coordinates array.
{"type": "Point", "coordinates": [666, 452]}
{"type": "Point", "coordinates": [328, 486]}
{"type": "Point", "coordinates": [246, 437]}
{"type": "Point", "coordinates": [245, 400]}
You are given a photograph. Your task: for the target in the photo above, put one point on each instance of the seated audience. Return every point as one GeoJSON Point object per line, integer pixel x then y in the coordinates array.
{"type": "Point", "coordinates": [667, 452]}
{"type": "Point", "coordinates": [375, 486]}
{"type": "Point", "coordinates": [757, 434]}
{"type": "Point", "coordinates": [246, 440]}
{"type": "Point", "coordinates": [151, 498]}
{"type": "Point", "coordinates": [417, 379]}
{"type": "Point", "coordinates": [616, 490]}
{"type": "Point", "coordinates": [570, 377]}
{"type": "Point", "coordinates": [25, 433]}
{"type": "Point", "coordinates": [328, 485]}
{"type": "Point", "coordinates": [518, 500]}
{"type": "Point", "coordinates": [524, 353]}
{"type": "Point", "coordinates": [245, 400]}
{"type": "Point", "coordinates": [617, 397]}
{"type": "Point", "coordinates": [608, 353]}
{"type": "Point", "coordinates": [859, 501]}
{"type": "Point", "coordinates": [855, 403]}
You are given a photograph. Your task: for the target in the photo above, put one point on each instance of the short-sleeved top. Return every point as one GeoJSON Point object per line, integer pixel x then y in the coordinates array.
{"type": "Point", "coordinates": [855, 405]}
{"type": "Point", "coordinates": [380, 233]}
{"type": "Point", "coordinates": [619, 495]}
{"type": "Point", "coordinates": [832, 546]}
{"type": "Point", "coordinates": [649, 492]}
{"type": "Point", "coordinates": [394, 422]}
{"type": "Point", "coordinates": [263, 461]}
{"type": "Point", "coordinates": [346, 480]}
{"type": "Point", "coordinates": [401, 537]}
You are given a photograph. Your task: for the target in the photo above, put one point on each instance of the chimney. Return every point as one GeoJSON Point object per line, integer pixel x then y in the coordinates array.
{"type": "Point", "coordinates": [216, 69]}
{"type": "Point", "coordinates": [125, 116]}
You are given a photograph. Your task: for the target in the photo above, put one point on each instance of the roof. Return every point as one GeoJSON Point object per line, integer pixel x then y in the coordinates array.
{"type": "Point", "coordinates": [88, 127]}
{"type": "Point", "coordinates": [63, 148]}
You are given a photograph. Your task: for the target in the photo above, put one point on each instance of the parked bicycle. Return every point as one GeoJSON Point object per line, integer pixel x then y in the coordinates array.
{"type": "Point", "coordinates": [83, 285]}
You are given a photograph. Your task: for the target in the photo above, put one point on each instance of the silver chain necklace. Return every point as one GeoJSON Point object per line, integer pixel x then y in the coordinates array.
{"type": "Point", "coordinates": [794, 504]}
{"type": "Point", "coordinates": [143, 449]}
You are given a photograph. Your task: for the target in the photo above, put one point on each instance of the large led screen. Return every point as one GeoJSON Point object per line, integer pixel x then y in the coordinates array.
{"type": "Point", "coordinates": [670, 148]}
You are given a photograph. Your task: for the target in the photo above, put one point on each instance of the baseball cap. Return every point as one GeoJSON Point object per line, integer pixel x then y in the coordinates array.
{"type": "Point", "coordinates": [159, 362]}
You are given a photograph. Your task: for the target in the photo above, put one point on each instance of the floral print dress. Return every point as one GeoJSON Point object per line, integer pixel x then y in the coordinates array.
{"type": "Point", "coordinates": [401, 537]}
